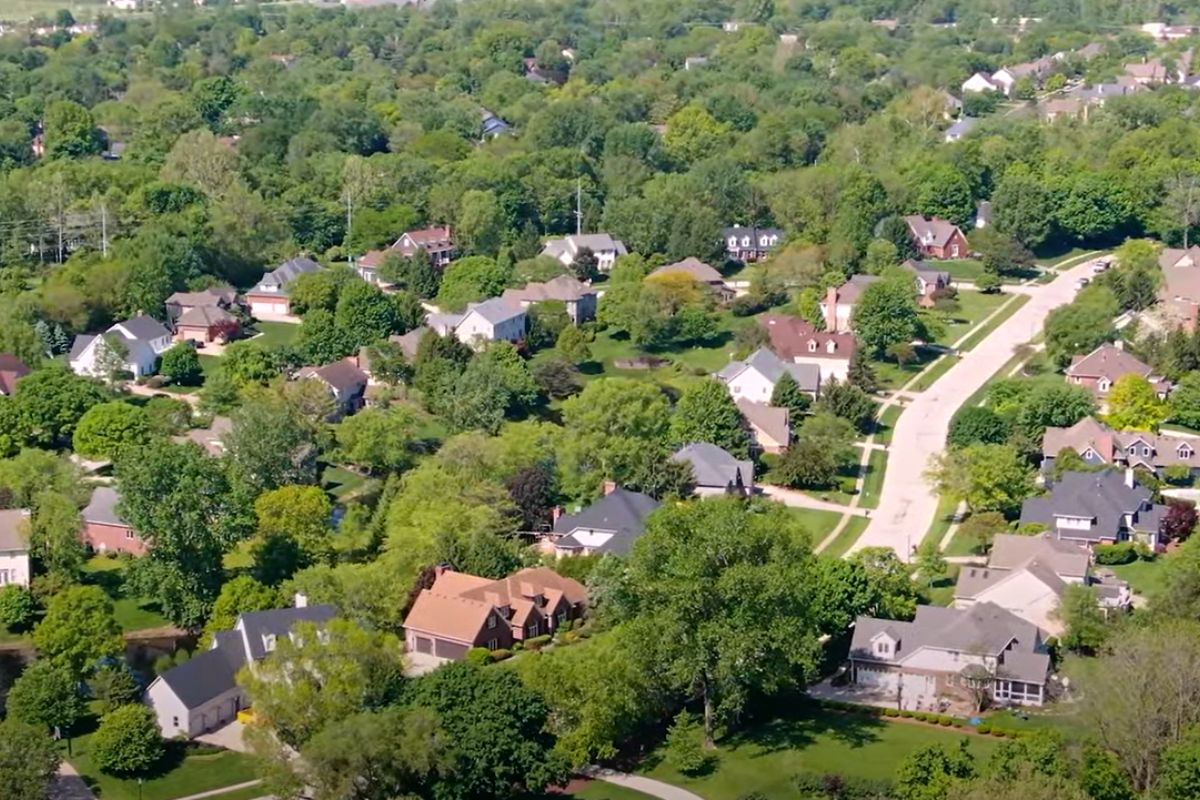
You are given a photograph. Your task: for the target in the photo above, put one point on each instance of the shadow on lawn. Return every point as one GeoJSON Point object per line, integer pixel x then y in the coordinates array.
{"type": "Point", "coordinates": [803, 729]}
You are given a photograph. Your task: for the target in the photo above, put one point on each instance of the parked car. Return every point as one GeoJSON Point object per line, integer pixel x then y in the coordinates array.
{"type": "Point", "coordinates": [1082, 282]}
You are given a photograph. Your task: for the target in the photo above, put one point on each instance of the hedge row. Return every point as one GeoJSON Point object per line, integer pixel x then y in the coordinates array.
{"type": "Point", "coordinates": [943, 720]}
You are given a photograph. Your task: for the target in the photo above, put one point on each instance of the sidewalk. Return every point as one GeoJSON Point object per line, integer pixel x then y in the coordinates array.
{"type": "Point", "coordinates": [649, 786]}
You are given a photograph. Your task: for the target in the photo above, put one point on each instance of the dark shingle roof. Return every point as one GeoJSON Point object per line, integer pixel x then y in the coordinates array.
{"type": "Point", "coordinates": [144, 328]}
{"type": "Point", "coordinates": [277, 622]}
{"type": "Point", "coordinates": [1101, 496]}
{"type": "Point", "coordinates": [103, 507]}
{"type": "Point", "coordinates": [209, 674]}
{"type": "Point", "coordinates": [620, 511]}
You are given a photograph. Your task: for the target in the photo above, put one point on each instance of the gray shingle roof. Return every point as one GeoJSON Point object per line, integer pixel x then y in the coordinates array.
{"type": "Point", "coordinates": [1101, 496]}
{"type": "Point", "coordinates": [144, 328]}
{"type": "Point", "coordinates": [80, 344]}
{"type": "Point", "coordinates": [103, 507]}
{"type": "Point", "coordinates": [496, 309]}
{"type": "Point", "coordinates": [288, 271]}
{"type": "Point", "coordinates": [209, 674]}
{"type": "Point", "coordinates": [713, 466]}
{"type": "Point", "coordinates": [772, 367]}
{"type": "Point", "coordinates": [277, 622]}
{"type": "Point", "coordinates": [621, 511]}
{"type": "Point", "coordinates": [12, 529]}
{"type": "Point", "coordinates": [962, 127]}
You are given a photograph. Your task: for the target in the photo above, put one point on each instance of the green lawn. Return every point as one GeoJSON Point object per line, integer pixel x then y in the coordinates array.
{"type": "Point", "coordinates": [973, 307]}
{"type": "Point", "coordinates": [886, 424]}
{"type": "Point", "coordinates": [873, 482]}
{"type": "Point", "coordinates": [274, 334]}
{"type": "Point", "coordinates": [892, 375]}
{"type": "Point", "coordinates": [817, 522]}
{"type": "Point", "coordinates": [846, 537]}
{"type": "Point", "coordinates": [131, 613]}
{"type": "Point", "coordinates": [766, 758]}
{"type": "Point", "coordinates": [341, 482]}
{"type": "Point", "coordinates": [1144, 577]}
{"type": "Point", "coordinates": [182, 772]}
{"type": "Point", "coordinates": [981, 333]}
{"type": "Point", "coordinates": [943, 518]}
{"type": "Point", "coordinates": [941, 591]}
{"type": "Point", "coordinates": [962, 269]}
{"type": "Point", "coordinates": [1054, 257]}
{"type": "Point", "coordinates": [961, 545]}
{"type": "Point", "coordinates": [934, 373]}
{"type": "Point", "coordinates": [599, 790]}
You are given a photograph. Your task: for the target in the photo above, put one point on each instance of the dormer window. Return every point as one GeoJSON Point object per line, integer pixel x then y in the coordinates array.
{"type": "Point", "coordinates": [269, 642]}
{"type": "Point", "coordinates": [491, 621]}
{"type": "Point", "coordinates": [733, 241]}
{"type": "Point", "coordinates": [812, 346]}
{"type": "Point", "coordinates": [1185, 451]}
{"type": "Point", "coordinates": [773, 240]}
{"type": "Point", "coordinates": [1146, 451]}
{"type": "Point", "coordinates": [1103, 384]}
{"type": "Point", "coordinates": [745, 241]}
{"type": "Point", "coordinates": [831, 347]}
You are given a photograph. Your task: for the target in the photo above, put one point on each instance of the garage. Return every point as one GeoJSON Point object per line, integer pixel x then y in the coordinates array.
{"type": "Point", "coordinates": [268, 307]}
{"type": "Point", "coordinates": [424, 645]}
{"type": "Point", "coordinates": [882, 679]}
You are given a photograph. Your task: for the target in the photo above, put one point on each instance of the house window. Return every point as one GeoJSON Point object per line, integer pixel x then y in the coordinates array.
{"type": "Point", "coordinates": [812, 346]}
{"type": "Point", "coordinates": [882, 648]}
{"type": "Point", "coordinates": [1146, 451]}
{"type": "Point", "coordinates": [1185, 451]}
{"type": "Point", "coordinates": [129, 534]}
{"type": "Point", "coordinates": [533, 630]}
{"type": "Point", "coordinates": [4, 577]}
{"type": "Point", "coordinates": [492, 644]}
{"type": "Point", "coordinates": [733, 242]}
{"type": "Point", "coordinates": [269, 642]}
{"type": "Point", "coordinates": [1103, 384]}
{"type": "Point", "coordinates": [831, 347]}
{"type": "Point", "coordinates": [175, 721]}
{"type": "Point", "coordinates": [745, 241]}
{"type": "Point", "coordinates": [491, 622]}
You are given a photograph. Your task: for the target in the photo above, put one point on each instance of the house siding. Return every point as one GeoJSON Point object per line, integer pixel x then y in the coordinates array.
{"type": "Point", "coordinates": [14, 568]}
{"type": "Point", "coordinates": [175, 719]}
{"type": "Point", "coordinates": [106, 538]}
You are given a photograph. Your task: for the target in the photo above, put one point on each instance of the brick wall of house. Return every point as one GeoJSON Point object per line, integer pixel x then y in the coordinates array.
{"type": "Point", "coordinates": [112, 538]}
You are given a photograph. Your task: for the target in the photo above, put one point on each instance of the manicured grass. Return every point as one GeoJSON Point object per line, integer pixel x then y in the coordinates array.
{"type": "Point", "coordinates": [873, 482]}
{"type": "Point", "coordinates": [960, 545]}
{"type": "Point", "coordinates": [981, 333]}
{"type": "Point", "coordinates": [933, 374]}
{"type": "Point", "coordinates": [846, 537]}
{"type": "Point", "coordinates": [276, 333]}
{"type": "Point", "coordinates": [817, 522]}
{"type": "Point", "coordinates": [765, 758]}
{"type": "Point", "coordinates": [973, 307]}
{"type": "Point", "coordinates": [943, 518]}
{"type": "Point", "coordinates": [182, 772]}
{"type": "Point", "coordinates": [131, 613]}
{"type": "Point", "coordinates": [341, 482]}
{"type": "Point", "coordinates": [893, 376]}
{"type": "Point", "coordinates": [249, 793]}
{"type": "Point", "coordinates": [1144, 577]}
{"type": "Point", "coordinates": [941, 591]}
{"type": "Point", "coordinates": [962, 269]}
{"type": "Point", "coordinates": [599, 790]}
{"type": "Point", "coordinates": [1054, 257]}
{"type": "Point", "coordinates": [886, 424]}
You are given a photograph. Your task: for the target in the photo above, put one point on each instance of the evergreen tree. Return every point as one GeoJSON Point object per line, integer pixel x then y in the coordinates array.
{"type": "Point", "coordinates": [861, 373]}
{"type": "Point", "coordinates": [789, 395]}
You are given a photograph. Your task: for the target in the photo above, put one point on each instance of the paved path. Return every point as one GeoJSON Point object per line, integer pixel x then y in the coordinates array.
{"type": "Point", "coordinates": [790, 497]}
{"type": "Point", "coordinates": [649, 786]}
{"type": "Point", "coordinates": [67, 785]}
{"type": "Point", "coordinates": [907, 503]}
{"type": "Point", "coordinates": [218, 792]}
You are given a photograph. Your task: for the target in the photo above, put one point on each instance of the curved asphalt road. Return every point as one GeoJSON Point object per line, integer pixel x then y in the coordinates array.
{"type": "Point", "coordinates": [907, 504]}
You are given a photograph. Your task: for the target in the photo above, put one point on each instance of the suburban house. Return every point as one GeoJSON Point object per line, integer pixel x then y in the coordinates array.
{"type": "Point", "coordinates": [1180, 290]}
{"type": "Point", "coordinates": [838, 306]}
{"type": "Point", "coordinates": [950, 653]}
{"type": "Point", "coordinates": [610, 525]}
{"type": "Point", "coordinates": [937, 238]}
{"type": "Point", "coordinates": [212, 297]}
{"type": "Point", "coordinates": [750, 244]}
{"type": "Point", "coordinates": [1098, 444]}
{"type": "Point", "coordinates": [1062, 108]}
{"type": "Point", "coordinates": [929, 280]}
{"type": "Point", "coordinates": [206, 324]}
{"type": "Point", "coordinates": [14, 547]}
{"type": "Point", "coordinates": [202, 693]}
{"type": "Point", "coordinates": [769, 426]}
{"type": "Point", "coordinates": [104, 530]}
{"type": "Point", "coordinates": [410, 342]}
{"type": "Point", "coordinates": [12, 369]}
{"type": "Point", "coordinates": [1148, 73]}
{"type": "Point", "coordinates": [701, 273]}
{"type": "Point", "coordinates": [497, 319]}
{"type": "Point", "coordinates": [212, 438]}
{"type": "Point", "coordinates": [462, 611]}
{"type": "Point", "coordinates": [979, 83]}
{"type": "Point", "coordinates": [715, 471]}
{"type": "Point", "coordinates": [605, 248]}
{"type": "Point", "coordinates": [1094, 507]}
{"type": "Point", "coordinates": [578, 297]}
{"type": "Point", "coordinates": [959, 129]}
{"type": "Point", "coordinates": [345, 381]}
{"type": "Point", "coordinates": [755, 378]}
{"type": "Point", "coordinates": [1100, 369]}
{"type": "Point", "coordinates": [1028, 575]}
{"type": "Point", "coordinates": [269, 297]}
{"type": "Point", "coordinates": [436, 241]}
{"type": "Point", "coordinates": [142, 338]}
{"type": "Point", "coordinates": [796, 339]}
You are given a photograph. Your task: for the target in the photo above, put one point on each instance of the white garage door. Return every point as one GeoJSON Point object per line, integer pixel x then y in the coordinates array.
{"type": "Point", "coordinates": [268, 308]}
{"type": "Point", "coordinates": [877, 678]}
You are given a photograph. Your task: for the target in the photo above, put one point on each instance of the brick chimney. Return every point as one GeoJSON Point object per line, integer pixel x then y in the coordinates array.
{"type": "Point", "coordinates": [831, 296]}
{"type": "Point", "coordinates": [609, 487]}
{"type": "Point", "coordinates": [555, 513]}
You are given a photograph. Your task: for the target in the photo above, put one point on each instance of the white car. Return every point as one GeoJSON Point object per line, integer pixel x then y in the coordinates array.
{"type": "Point", "coordinates": [1100, 266]}
{"type": "Point", "coordinates": [1082, 282]}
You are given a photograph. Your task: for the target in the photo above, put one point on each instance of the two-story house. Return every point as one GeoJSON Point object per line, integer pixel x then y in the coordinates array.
{"type": "Point", "coordinates": [104, 529]}
{"type": "Point", "coordinates": [436, 241]}
{"type": "Point", "coordinates": [950, 653]}
{"type": "Point", "coordinates": [269, 297]}
{"type": "Point", "coordinates": [1098, 444]}
{"type": "Point", "coordinates": [604, 247]}
{"type": "Point", "coordinates": [750, 243]}
{"type": "Point", "coordinates": [202, 693]}
{"type": "Point", "coordinates": [754, 379]}
{"type": "Point", "coordinates": [14, 547]}
{"type": "Point", "coordinates": [935, 237]}
{"type": "Point", "coordinates": [578, 297]}
{"type": "Point", "coordinates": [796, 340]}
{"type": "Point", "coordinates": [462, 611]}
{"type": "Point", "coordinates": [494, 320]}
{"type": "Point", "coordinates": [1100, 369]}
{"type": "Point", "coordinates": [136, 343]}
{"type": "Point", "coordinates": [1097, 507]}
{"type": "Point", "coordinates": [715, 471]}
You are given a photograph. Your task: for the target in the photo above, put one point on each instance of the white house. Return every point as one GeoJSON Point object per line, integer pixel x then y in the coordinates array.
{"type": "Point", "coordinates": [754, 379]}
{"type": "Point", "coordinates": [1004, 80]}
{"type": "Point", "coordinates": [143, 338]}
{"type": "Point", "coordinates": [202, 694]}
{"type": "Point", "coordinates": [269, 297]}
{"type": "Point", "coordinates": [604, 247]}
{"type": "Point", "coordinates": [14, 547]}
{"type": "Point", "coordinates": [490, 321]}
{"type": "Point", "coordinates": [978, 83]}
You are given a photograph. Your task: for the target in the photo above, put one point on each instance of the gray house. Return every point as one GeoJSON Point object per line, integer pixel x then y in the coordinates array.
{"type": "Point", "coordinates": [202, 693]}
{"type": "Point", "coordinates": [1097, 507]}
{"type": "Point", "coordinates": [716, 471]}
{"type": "Point", "coordinates": [610, 525]}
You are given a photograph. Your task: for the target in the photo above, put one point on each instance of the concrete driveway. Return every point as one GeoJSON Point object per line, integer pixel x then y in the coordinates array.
{"type": "Point", "coordinates": [417, 664]}
{"type": "Point", "coordinates": [229, 737]}
{"type": "Point", "coordinates": [907, 504]}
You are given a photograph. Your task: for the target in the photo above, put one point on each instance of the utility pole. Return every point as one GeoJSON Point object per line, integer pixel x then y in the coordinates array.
{"type": "Point", "coordinates": [349, 225]}
{"type": "Point", "coordinates": [103, 228]}
{"type": "Point", "coordinates": [578, 206]}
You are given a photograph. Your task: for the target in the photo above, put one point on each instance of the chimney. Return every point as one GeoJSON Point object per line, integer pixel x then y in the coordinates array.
{"type": "Point", "coordinates": [555, 513]}
{"type": "Point", "coordinates": [609, 487]}
{"type": "Point", "coordinates": [1129, 477]}
{"type": "Point", "coordinates": [830, 309]}
{"type": "Point", "coordinates": [300, 600]}
{"type": "Point", "coordinates": [1119, 344]}
{"type": "Point", "coordinates": [440, 569]}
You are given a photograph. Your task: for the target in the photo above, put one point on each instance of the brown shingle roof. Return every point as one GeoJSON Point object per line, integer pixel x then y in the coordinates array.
{"type": "Point", "coordinates": [932, 231]}
{"type": "Point", "coordinates": [700, 272]}
{"type": "Point", "coordinates": [791, 337]}
{"type": "Point", "coordinates": [1107, 361]}
{"type": "Point", "coordinates": [563, 288]}
{"type": "Point", "coordinates": [12, 369]}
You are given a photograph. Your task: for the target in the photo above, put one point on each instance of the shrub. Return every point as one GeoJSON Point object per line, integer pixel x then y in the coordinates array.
{"type": "Point", "coordinates": [906, 713]}
{"type": "Point", "coordinates": [479, 656]}
{"type": "Point", "coordinates": [984, 728]}
{"type": "Point", "coordinates": [1118, 553]}
{"type": "Point", "coordinates": [537, 642]}
{"type": "Point", "coordinates": [17, 607]}
{"type": "Point", "coordinates": [685, 746]}
{"type": "Point", "coordinates": [500, 655]}
{"type": "Point", "coordinates": [127, 741]}
{"type": "Point", "coordinates": [518, 647]}
{"type": "Point", "coordinates": [891, 712]}
{"type": "Point", "coordinates": [945, 722]}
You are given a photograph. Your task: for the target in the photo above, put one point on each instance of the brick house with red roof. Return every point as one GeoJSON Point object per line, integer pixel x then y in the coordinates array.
{"type": "Point", "coordinates": [436, 241]}
{"type": "Point", "coordinates": [935, 237]}
{"type": "Point", "coordinates": [1100, 369]}
{"type": "Point", "coordinates": [796, 340]}
{"type": "Point", "coordinates": [462, 611]}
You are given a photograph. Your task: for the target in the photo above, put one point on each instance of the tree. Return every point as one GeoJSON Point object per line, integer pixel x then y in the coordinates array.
{"type": "Point", "coordinates": [988, 477]}
{"type": "Point", "coordinates": [54, 534]}
{"type": "Point", "coordinates": [1180, 592]}
{"type": "Point", "coordinates": [1081, 326]}
{"type": "Point", "coordinates": [502, 747]}
{"type": "Point", "coordinates": [788, 394]}
{"type": "Point", "coordinates": [50, 402]}
{"type": "Point", "coordinates": [379, 440]}
{"type": "Point", "coordinates": [860, 373]}
{"type": "Point", "coordinates": [182, 502]}
{"type": "Point", "coordinates": [70, 131]}
{"type": "Point", "coordinates": [718, 539]}
{"type": "Point", "coordinates": [1084, 628]}
{"type": "Point", "coordinates": [849, 402]}
{"type": "Point", "coordinates": [78, 629]}
{"type": "Point", "coordinates": [610, 426]}
{"type": "Point", "coordinates": [316, 677]}
{"type": "Point", "coordinates": [296, 519]}
{"type": "Point", "coordinates": [45, 695]}
{"type": "Point", "coordinates": [823, 447]}
{"type": "Point", "coordinates": [113, 686]}
{"type": "Point", "coordinates": [808, 308]}
{"type": "Point", "coordinates": [684, 746]}
{"type": "Point", "coordinates": [1180, 769]}
{"type": "Point", "coordinates": [1179, 522]}
{"type": "Point", "coordinates": [707, 413]}
{"type": "Point", "coordinates": [322, 340]}
{"type": "Point", "coordinates": [17, 607]}
{"type": "Point", "coordinates": [480, 226]}
{"type": "Point", "coordinates": [1133, 404]}
{"type": "Point", "coordinates": [107, 430]}
{"type": "Point", "coordinates": [692, 134]}
{"type": "Point", "coordinates": [573, 344]}
{"type": "Point", "coordinates": [1021, 208]}
{"type": "Point", "coordinates": [557, 377]}
{"type": "Point", "coordinates": [367, 315]}
{"type": "Point", "coordinates": [1185, 400]}
{"type": "Point", "coordinates": [976, 424]}
{"type": "Point", "coordinates": [238, 596]}
{"type": "Point", "coordinates": [270, 445]}
{"type": "Point", "coordinates": [1057, 405]}
{"type": "Point", "coordinates": [1181, 204]}
{"type": "Point", "coordinates": [532, 489]}
{"type": "Point", "coordinates": [1138, 727]}
{"type": "Point", "coordinates": [547, 321]}
{"type": "Point", "coordinates": [29, 760]}
{"type": "Point", "coordinates": [895, 230]}
{"type": "Point", "coordinates": [1000, 254]}
{"type": "Point", "coordinates": [930, 562]}
{"type": "Point", "coordinates": [127, 741]}
{"type": "Point", "coordinates": [1027, 785]}
{"type": "Point", "coordinates": [181, 364]}
{"type": "Point", "coordinates": [886, 314]}
{"type": "Point", "coordinates": [930, 772]}
{"type": "Point", "coordinates": [469, 279]}
{"type": "Point", "coordinates": [982, 528]}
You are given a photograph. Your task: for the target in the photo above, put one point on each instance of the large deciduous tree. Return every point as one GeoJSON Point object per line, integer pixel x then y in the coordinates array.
{"type": "Point", "coordinates": [78, 629]}
{"type": "Point", "coordinates": [1134, 405]}
{"type": "Point", "coordinates": [706, 413]}
{"type": "Point", "coordinates": [29, 759]}
{"type": "Point", "coordinates": [988, 477]}
{"type": "Point", "coordinates": [886, 314]}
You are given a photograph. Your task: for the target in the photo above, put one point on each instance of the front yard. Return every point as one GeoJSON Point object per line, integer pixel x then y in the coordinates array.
{"type": "Point", "coordinates": [131, 613]}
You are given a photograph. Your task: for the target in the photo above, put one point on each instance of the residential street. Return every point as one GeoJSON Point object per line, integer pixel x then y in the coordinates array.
{"type": "Point", "coordinates": [907, 504]}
